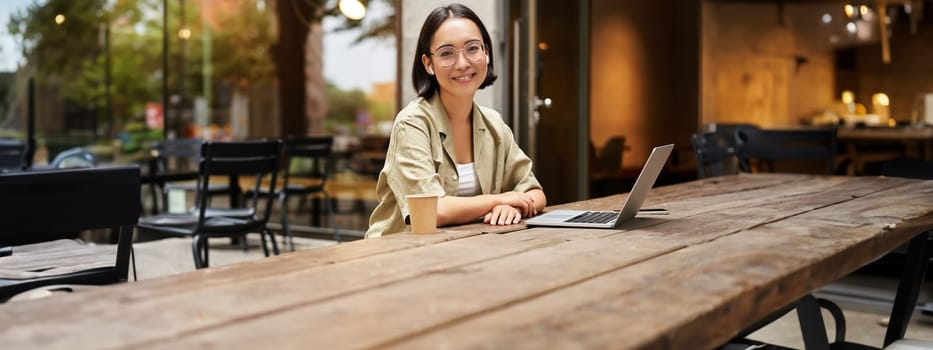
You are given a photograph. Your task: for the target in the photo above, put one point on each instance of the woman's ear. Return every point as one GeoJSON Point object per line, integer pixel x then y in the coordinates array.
{"type": "Point", "coordinates": [428, 66]}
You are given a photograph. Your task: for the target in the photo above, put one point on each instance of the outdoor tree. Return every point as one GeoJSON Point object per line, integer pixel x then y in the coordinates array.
{"type": "Point", "coordinates": [243, 38]}
{"type": "Point", "coordinates": [66, 43]}
{"type": "Point", "coordinates": [75, 44]}
{"type": "Point", "coordinates": [296, 18]}
{"type": "Point", "coordinates": [58, 36]}
{"type": "Point", "coordinates": [73, 53]}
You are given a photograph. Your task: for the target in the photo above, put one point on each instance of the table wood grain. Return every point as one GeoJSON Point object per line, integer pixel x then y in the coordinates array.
{"type": "Point", "coordinates": [732, 250]}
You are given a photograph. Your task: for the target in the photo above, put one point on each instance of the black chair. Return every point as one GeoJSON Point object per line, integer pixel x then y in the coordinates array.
{"type": "Point", "coordinates": [715, 149]}
{"type": "Point", "coordinates": [76, 157]}
{"type": "Point", "coordinates": [727, 130]}
{"type": "Point", "coordinates": [909, 168]}
{"type": "Point", "coordinates": [369, 158]}
{"type": "Point", "coordinates": [812, 328]}
{"type": "Point", "coordinates": [714, 154]}
{"type": "Point", "coordinates": [247, 158]}
{"type": "Point", "coordinates": [766, 148]}
{"type": "Point", "coordinates": [308, 161]}
{"type": "Point", "coordinates": [12, 155]}
{"type": "Point", "coordinates": [45, 205]}
{"type": "Point", "coordinates": [174, 165]}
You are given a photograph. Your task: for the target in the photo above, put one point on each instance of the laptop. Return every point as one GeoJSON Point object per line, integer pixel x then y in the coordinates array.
{"type": "Point", "coordinates": [612, 219]}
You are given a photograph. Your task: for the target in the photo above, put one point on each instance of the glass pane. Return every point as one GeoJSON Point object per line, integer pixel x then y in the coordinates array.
{"type": "Point", "coordinates": [115, 78]}
{"type": "Point", "coordinates": [360, 70]}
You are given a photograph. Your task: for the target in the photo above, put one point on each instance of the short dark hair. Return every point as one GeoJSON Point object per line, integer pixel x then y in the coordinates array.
{"type": "Point", "coordinates": [425, 84]}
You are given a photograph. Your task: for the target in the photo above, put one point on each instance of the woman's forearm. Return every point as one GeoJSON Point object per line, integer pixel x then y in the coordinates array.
{"type": "Point", "coordinates": [540, 199]}
{"type": "Point", "coordinates": [452, 210]}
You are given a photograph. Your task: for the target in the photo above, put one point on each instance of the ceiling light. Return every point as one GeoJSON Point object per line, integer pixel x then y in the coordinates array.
{"type": "Point", "coordinates": [848, 97]}
{"type": "Point", "coordinates": [881, 99]}
{"type": "Point", "coordinates": [353, 9]}
{"type": "Point", "coordinates": [850, 10]}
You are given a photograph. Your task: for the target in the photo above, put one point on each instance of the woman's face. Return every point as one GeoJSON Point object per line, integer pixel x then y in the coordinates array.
{"type": "Point", "coordinates": [463, 76]}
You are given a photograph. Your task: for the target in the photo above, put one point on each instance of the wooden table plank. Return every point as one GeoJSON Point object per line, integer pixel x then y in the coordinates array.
{"type": "Point", "coordinates": [652, 299]}
{"type": "Point", "coordinates": [724, 239]}
{"type": "Point", "coordinates": [363, 319]}
{"type": "Point", "coordinates": [207, 302]}
{"type": "Point", "coordinates": [465, 293]}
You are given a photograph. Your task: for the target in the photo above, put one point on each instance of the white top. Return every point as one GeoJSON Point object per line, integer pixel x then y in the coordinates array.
{"type": "Point", "coordinates": [468, 183]}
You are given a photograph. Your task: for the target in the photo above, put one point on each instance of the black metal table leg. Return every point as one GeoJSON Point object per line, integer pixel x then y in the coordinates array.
{"type": "Point", "coordinates": [908, 288]}
{"type": "Point", "coordinates": [811, 324]}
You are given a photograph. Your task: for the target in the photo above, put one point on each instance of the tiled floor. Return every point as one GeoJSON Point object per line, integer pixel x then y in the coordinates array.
{"type": "Point", "coordinates": [173, 255]}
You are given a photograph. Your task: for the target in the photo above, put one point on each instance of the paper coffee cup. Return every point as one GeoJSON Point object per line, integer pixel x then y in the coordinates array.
{"type": "Point", "coordinates": [422, 212]}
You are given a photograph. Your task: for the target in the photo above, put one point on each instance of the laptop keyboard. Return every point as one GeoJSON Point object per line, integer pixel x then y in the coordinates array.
{"type": "Point", "coordinates": [595, 217]}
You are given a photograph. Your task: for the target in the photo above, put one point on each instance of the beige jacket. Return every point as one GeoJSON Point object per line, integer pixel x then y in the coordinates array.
{"type": "Point", "coordinates": [420, 159]}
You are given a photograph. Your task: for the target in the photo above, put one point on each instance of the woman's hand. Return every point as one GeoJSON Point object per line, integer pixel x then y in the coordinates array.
{"type": "Point", "coordinates": [503, 214]}
{"type": "Point", "coordinates": [521, 201]}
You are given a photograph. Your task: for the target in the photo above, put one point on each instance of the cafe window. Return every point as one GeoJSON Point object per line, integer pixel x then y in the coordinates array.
{"type": "Point", "coordinates": [116, 77]}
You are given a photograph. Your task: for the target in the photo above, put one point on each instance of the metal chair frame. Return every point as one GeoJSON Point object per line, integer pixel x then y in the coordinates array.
{"type": "Point", "coordinates": [230, 159]}
{"type": "Point", "coordinates": [768, 146]}
{"type": "Point", "coordinates": [319, 152]}
{"type": "Point", "coordinates": [44, 205]}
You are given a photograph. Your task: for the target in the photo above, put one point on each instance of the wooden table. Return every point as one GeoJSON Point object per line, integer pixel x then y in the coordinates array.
{"type": "Point", "coordinates": [733, 250]}
{"type": "Point", "coordinates": [863, 144]}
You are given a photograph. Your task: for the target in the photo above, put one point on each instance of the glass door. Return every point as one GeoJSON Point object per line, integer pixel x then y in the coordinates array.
{"type": "Point", "coordinates": [549, 92]}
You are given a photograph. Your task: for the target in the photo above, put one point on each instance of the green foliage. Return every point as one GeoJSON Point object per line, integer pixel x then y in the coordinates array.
{"type": "Point", "coordinates": [139, 138]}
{"type": "Point", "coordinates": [59, 48]}
{"type": "Point", "coordinates": [75, 51]}
{"type": "Point", "coordinates": [381, 111]}
{"type": "Point", "coordinates": [343, 105]}
{"type": "Point", "coordinates": [242, 40]}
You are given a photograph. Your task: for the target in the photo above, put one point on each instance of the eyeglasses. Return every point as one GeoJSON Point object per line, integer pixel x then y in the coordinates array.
{"type": "Point", "coordinates": [448, 55]}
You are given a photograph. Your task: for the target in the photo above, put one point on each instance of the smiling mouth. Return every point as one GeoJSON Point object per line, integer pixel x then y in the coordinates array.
{"type": "Point", "coordinates": [464, 78]}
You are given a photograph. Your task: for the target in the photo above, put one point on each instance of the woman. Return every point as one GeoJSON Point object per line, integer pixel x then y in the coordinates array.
{"type": "Point", "coordinates": [444, 143]}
